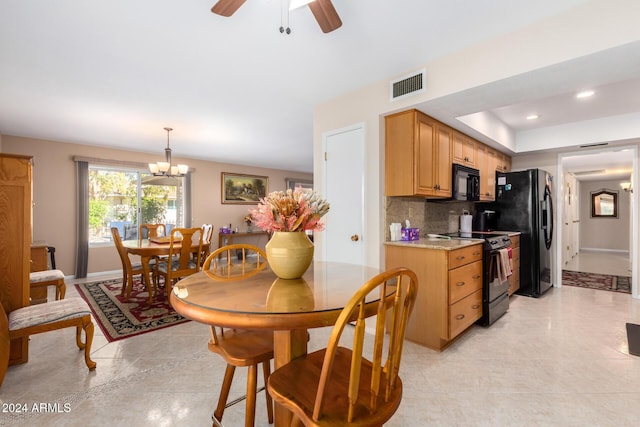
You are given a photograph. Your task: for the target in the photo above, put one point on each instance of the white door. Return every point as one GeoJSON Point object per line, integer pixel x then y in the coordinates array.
{"type": "Point", "coordinates": [344, 187]}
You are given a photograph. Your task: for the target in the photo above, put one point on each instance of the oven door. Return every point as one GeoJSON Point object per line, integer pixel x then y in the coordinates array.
{"type": "Point", "coordinates": [494, 287]}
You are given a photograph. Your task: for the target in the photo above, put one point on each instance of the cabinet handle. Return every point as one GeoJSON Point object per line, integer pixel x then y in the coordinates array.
{"type": "Point", "coordinates": [475, 306]}
{"type": "Point", "coordinates": [477, 276]}
{"type": "Point", "coordinates": [460, 317]}
{"type": "Point", "coordinates": [460, 258]}
{"type": "Point", "coordinates": [460, 284]}
{"type": "Point", "coordinates": [476, 254]}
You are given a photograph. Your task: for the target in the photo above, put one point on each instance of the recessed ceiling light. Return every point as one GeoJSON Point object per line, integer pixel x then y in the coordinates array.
{"type": "Point", "coordinates": [533, 117]}
{"type": "Point", "coordinates": [585, 94]}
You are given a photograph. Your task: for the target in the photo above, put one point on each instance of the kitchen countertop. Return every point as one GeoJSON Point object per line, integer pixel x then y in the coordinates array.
{"type": "Point", "coordinates": [442, 244]}
{"type": "Point", "coordinates": [445, 244]}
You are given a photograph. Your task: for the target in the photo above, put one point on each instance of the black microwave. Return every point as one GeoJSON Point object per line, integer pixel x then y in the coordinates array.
{"type": "Point", "coordinates": [466, 183]}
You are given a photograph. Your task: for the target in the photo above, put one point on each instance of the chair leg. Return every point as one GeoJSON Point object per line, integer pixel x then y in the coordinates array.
{"type": "Point", "coordinates": [224, 391]}
{"type": "Point", "coordinates": [87, 325]}
{"type": "Point", "coordinates": [61, 290]}
{"type": "Point", "coordinates": [124, 281]}
{"type": "Point", "coordinates": [252, 384]}
{"type": "Point", "coordinates": [266, 371]}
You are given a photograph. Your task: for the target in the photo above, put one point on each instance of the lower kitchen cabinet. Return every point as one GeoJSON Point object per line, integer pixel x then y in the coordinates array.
{"type": "Point", "coordinates": [514, 279]}
{"type": "Point", "coordinates": [449, 297]}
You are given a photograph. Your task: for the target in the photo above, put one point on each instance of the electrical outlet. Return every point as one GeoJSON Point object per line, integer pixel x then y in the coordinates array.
{"type": "Point", "coordinates": [410, 212]}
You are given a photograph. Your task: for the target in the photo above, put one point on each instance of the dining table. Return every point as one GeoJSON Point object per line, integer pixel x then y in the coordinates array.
{"type": "Point", "coordinates": [149, 248]}
{"type": "Point", "coordinates": [261, 300]}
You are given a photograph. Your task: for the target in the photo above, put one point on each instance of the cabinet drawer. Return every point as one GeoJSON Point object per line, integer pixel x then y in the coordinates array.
{"type": "Point", "coordinates": [464, 256]}
{"type": "Point", "coordinates": [463, 313]}
{"type": "Point", "coordinates": [515, 241]}
{"type": "Point", "coordinates": [464, 280]}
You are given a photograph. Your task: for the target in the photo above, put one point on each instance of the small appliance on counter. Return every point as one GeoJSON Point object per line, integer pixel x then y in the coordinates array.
{"type": "Point", "coordinates": [484, 220]}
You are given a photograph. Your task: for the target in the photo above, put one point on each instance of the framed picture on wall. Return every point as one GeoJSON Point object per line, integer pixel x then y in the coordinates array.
{"type": "Point", "coordinates": [295, 183]}
{"type": "Point", "coordinates": [240, 189]}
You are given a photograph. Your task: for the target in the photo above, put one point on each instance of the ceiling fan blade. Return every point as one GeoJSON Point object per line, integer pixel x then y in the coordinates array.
{"type": "Point", "coordinates": [326, 15]}
{"type": "Point", "coordinates": [227, 7]}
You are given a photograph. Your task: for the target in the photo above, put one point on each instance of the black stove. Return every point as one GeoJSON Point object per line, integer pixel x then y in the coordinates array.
{"type": "Point", "coordinates": [495, 299]}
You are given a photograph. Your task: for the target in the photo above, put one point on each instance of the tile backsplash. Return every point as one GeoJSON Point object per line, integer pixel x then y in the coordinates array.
{"type": "Point", "coordinates": [428, 216]}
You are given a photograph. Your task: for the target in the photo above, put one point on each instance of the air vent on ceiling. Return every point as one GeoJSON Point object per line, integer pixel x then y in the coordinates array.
{"type": "Point", "coordinates": [597, 144]}
{"type": "Point", "coordinates": [408, 85]}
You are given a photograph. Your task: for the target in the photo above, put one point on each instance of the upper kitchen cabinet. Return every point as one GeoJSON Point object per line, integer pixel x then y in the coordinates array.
{"type": "Point", "coordinates": [490, 161]}
{"type": "Point", "coordinates": [418, 156]}
{"type": "Point", "coordinates": [503, 162]}
{"type": "Point", "coordinates": [487, 163]}
{"type": "Point", "coordinates": [464, 150]}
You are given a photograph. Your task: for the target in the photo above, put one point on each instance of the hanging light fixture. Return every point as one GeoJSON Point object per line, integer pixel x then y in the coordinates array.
{"type": "Point", "coordinates": [166, 168]}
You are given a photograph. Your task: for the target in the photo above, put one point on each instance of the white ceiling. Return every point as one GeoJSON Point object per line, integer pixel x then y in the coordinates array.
{"type": "Point", "coordinates": [237, 90]}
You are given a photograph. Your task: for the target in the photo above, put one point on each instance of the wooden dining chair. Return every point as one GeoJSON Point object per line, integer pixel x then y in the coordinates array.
{"type": "Point", "coordinates": [337, 386]}
{"type": "Point", "coordinates": [151, 230]}
{"type": "Point", "coordinates": [185, 251]}
{"type": "Point", "coordinates": [240, 347]}
{"type": "Point", "coordinates": [207, 234]}
{"type": "Point", "coordinates": [129, 269]}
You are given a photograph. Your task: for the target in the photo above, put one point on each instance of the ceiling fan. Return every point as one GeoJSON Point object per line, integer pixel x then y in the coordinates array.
{"type": "Point", "coordinates": [322, 10]}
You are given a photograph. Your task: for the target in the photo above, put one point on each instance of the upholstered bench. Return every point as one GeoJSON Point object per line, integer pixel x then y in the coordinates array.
{"type": "Point", "coordinates": [46, 278]}
{"type": "Point", "coordinates": [49, 316]}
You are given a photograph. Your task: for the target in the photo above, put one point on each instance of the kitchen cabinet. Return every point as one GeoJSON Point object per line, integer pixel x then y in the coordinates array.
{"type": "Point", "coordinates": [15, 246]}
{"type": "Point", "coordinates": [503, 162]}
{"type": "Point", "coordinates": [514, 279]}
{"type": "Point", "coordinates": [464, 150]}
{"type": "Point", "coordinates": [487, 162]}
{"type": "Point", "coordinates": [449, 297]}
{"type": "Point", "coordinates": [417, 156]}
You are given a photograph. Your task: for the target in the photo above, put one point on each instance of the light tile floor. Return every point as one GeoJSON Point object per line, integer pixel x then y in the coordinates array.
{"type": "Point", "coordinates": [560, 360]}
{"type": "Point", "coordinates": [603, 262]}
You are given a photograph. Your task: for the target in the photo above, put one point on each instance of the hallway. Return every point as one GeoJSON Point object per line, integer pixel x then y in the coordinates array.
{"type": "Point", "coordinates": [602, 262]}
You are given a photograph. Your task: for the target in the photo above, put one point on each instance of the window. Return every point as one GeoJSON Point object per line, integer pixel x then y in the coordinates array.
{"type": "Point", "coordinates": [124, 198]}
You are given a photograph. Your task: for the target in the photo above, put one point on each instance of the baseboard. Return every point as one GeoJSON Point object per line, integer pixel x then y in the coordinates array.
{"type": "Point", "coordinates": [603, 250]}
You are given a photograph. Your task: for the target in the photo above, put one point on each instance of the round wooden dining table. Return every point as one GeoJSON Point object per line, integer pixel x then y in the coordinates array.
{"type": "Point", "coordinates": [146, 249]}
{"type": "Point", "coordinates": [263, 301]}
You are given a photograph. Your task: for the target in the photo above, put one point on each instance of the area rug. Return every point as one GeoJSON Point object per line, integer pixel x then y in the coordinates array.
{"type": "Point", "coordinates": [119, 319]}
{"type": "Point", "coordinates": [597, 281]}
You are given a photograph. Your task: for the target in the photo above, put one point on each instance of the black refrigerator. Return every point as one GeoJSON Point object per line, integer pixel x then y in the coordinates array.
{"type": "Point", "coordinates": [524, 203]}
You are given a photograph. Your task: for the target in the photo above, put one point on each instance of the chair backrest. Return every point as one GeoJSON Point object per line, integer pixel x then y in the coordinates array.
{"type": "Point", "coordinates": [235, 261]}
{"type": "Point", "coordinates": [182, 263]}
{"type": "Point", "coordinates": [207, 232]}
{"type": "Point", "coordinates": [124, 257]}
{"type": "Point", "coordinates": [384, 376]}
{"type": "Point", "coordinates": [151, 230]}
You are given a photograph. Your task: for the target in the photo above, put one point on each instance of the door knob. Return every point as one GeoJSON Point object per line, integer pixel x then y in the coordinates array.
{"type": "Point", "coordinates": [355, 238]}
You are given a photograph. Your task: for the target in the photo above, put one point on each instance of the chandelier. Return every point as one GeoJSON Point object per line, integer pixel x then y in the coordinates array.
{"type": "Point", "coordinates": [166, 168]}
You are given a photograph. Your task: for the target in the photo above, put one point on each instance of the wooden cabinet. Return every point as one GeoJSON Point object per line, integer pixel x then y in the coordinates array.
{"type": "Point", "coordinates": [464, 150]}
{"type": "Point", "coordinates": [15, 223]}
{"type": "Point", "coordinates": [487, 165]}
{"type": "Point", "coordinates": [514, 279]}
{"type": "Point", "coordinates": [449, 297]}
{"type": "Point", "coordinates": [417, 156]}
{"type": "Point", "coordinates": [503, 162]}
{"type": "Point", "coordinates": [489, 162]}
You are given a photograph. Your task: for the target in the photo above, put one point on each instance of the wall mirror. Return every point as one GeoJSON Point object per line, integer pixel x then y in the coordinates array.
{"type": "Point", "coordinates": [604, 204]}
